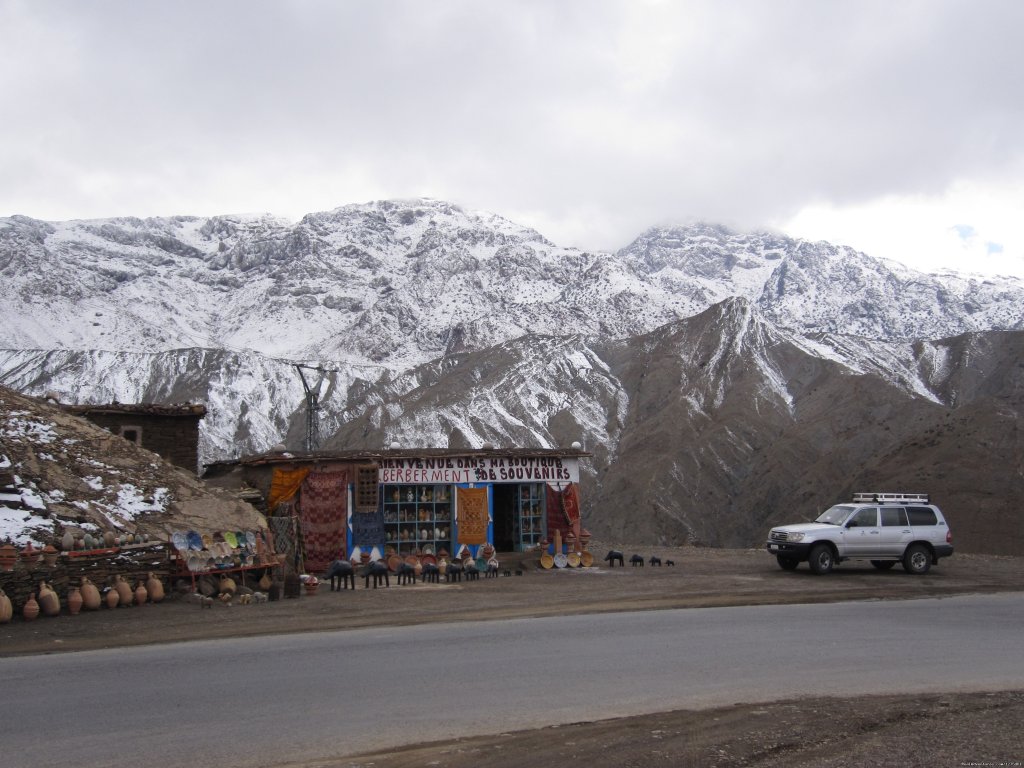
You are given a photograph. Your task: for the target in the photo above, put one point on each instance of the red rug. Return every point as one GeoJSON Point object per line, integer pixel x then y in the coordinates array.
{"type": "Point", "coordinates": [323, 518]}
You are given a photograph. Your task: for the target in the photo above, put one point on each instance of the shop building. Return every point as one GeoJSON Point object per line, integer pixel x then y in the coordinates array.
{"type": "Point", "coordinates": [412, 502]}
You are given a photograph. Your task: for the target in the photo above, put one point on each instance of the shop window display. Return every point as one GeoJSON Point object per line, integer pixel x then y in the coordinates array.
{"type": "Point", "coordinates": [418, 518]}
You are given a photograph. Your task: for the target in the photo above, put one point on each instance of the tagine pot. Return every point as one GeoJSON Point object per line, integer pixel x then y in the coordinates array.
{"type": "Point", "coordinates": [8, 557]}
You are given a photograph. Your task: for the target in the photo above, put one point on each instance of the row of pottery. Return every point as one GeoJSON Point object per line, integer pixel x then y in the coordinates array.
{"type": "Point", "coordinates": [86, 596]}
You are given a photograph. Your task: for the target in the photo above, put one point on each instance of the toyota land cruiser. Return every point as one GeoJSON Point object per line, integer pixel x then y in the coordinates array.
{"type": "Point", "coordinates": [885, 528]}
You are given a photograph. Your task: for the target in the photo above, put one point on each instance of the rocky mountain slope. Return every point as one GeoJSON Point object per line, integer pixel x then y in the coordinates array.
{"type": "Point", "coordinates": [723, 380]}
{"type": "Point", "coordinates": [62, 472]}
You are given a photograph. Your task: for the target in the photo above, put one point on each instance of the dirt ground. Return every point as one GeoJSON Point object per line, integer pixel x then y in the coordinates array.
{"type": "Point", "coordinates": [934, 730]}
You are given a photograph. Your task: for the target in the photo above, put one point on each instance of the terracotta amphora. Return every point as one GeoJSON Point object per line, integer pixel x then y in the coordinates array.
{"type": "Point", "coordinates": [124, 590]}
{"type": "Point", "coordinates": [48, 601]}
{"type": "Point", "coordinates": [91, 599]}
{"type": "Point", "coordinates": [155, 587]}
{"type": "Point", "coordinates": [141, 594]}
{"type": "Point", "coordinates": [31, 608]}
{"type": "Point", "coordinates": [6, 609]}
{"type": "Point", "coordinates": [113, 599]}
{"type": "Point", "coordinates": [74, 601]}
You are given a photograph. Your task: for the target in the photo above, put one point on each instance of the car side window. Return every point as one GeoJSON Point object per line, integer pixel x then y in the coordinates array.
{"type": "Point", "coordinates": [894, 516]}
{"type": "Point", "coordinates": [922, 516]}
{"type": "Point", "coordinates": [864, 518]}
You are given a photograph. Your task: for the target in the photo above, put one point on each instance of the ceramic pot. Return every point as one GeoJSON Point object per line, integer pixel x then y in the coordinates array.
{"type": "Point", "coordinates": [108, 538]}
{"type": "Point", "coordinates": [6, 609]}
{"type": "Point", "coordinates": [8, 557]}
{"type": "Point", "coordinates": [48, 601]}
{"type": "Point", "coordinates": [30, 555]}
{"type": "Point", "coordinates": [228, 585]}
{"type": "Point", "coordinates": [91, 599]}
{"type": "Point", "coordinates": [141, 594]}
{"type": "Point", "coordinates": [124, 591]}
{"type": "Point", "coordinates": [30, 610]}
{"type": "Point", "coordinates": [50, 554]}
{"type": "Point", "coordinates": [113, 599]}
{"type": "Point", "coordinates": [155, 587]}
{"type": "Point", "coordinates": [266, 582]}
{"type": "Point", "coordinates": [67, 541]}
{"type": "Point", "coordinates": [75, 601]}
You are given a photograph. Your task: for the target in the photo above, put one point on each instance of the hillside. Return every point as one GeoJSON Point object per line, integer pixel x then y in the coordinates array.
{"type": "Point", "coordinates": [59, 472]}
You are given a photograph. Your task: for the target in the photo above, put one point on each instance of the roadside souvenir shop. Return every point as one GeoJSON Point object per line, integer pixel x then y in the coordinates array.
{"type": "Point", "coordinates": [414, 502]}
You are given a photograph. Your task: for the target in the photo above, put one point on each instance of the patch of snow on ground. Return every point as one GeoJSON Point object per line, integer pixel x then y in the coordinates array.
{"type": "Point", "coordinates": [131, 502]}
{"type": "Point", "coordinates": [15, 522]}
{"type": "Point", "coordinates": [16, 427]}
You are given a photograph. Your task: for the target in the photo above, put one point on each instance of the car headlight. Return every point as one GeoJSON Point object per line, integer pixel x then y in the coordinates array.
{"type": "Point", "coordinates": [795, 537]}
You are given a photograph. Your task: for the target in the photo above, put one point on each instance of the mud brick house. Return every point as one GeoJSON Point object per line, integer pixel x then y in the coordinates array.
{"type": "Point", "coordinates": [172, 431]}
{"type": "Point", "coordinates": [413, 502]}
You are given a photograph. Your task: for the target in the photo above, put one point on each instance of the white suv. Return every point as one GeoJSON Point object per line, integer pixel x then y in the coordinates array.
{"type": "Point", "coordinates": [885, 528]}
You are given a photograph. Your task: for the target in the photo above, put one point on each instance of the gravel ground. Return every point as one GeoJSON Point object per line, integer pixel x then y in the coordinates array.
{"type": "Point", "coordinates": [954, 729]}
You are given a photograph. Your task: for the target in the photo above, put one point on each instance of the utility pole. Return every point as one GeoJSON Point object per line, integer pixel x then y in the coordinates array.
{"type": "Point", "coordinates": [312, 404]}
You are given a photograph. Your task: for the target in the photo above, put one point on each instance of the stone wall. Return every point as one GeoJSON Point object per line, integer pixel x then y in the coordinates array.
{"type": "Point", "coordinates": [133, 562]}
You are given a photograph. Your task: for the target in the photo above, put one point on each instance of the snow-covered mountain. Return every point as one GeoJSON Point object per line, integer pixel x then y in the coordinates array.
{"type": "Point", "coordinates": [401, 283]}
{"type": "Point", "coordinates": [713, 374]}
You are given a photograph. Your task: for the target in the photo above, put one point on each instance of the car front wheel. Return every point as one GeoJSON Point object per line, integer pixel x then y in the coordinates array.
{"type": "Point", "coordinates": [917, 559]}
{"type": "Point", "coordinates": [822, 559]}
{"type": "Point", "coordinates": [787, 563]}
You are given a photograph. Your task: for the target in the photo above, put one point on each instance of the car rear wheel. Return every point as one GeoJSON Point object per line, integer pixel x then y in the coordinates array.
{"type": "Point", "coordinates": [917, 559]}
{"type": "Point", "coordinates": [787, 563]}
{"type": "Point", "coordinates": [883, 565]}
{"type": "Point", "coordinates": [822, 558]}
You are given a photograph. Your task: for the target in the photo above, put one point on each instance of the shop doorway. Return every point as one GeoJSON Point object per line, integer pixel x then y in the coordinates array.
{"type": "Point", "coordinates": [505, 514]}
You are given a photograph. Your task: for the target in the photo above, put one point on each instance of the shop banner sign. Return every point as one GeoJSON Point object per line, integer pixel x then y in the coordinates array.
{"type": "Point", "coordinates": [471, 469]}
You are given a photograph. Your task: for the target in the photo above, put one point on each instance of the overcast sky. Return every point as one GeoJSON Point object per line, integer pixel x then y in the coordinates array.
{"type": "Point", "coordinates": [894, 127]}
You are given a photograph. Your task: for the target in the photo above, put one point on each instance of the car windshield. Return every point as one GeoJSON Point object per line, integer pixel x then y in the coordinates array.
{"type": "Point", "coordinates": [835, 515]}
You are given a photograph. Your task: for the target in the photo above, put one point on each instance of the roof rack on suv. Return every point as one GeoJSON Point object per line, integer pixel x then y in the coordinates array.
{"type": "Point", "coordinates": [897, 498]}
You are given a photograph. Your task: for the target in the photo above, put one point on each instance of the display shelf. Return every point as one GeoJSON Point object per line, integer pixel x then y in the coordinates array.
{"type": "Point", "coordinates": [418, 517]}
{"type": "Point", "coordinates": [530, 525]}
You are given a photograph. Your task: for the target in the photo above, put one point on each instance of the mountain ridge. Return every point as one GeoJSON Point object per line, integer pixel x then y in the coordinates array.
{"type": "Point", "coordinates": [699, 365]}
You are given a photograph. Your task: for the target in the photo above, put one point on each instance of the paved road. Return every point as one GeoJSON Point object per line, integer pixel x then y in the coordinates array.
{"type": "Point", "coordinates": [264, 701]}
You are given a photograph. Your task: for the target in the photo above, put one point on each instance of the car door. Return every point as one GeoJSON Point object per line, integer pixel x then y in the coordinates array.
{"type": "Point", "coordinates": [862, 533]}
{"type": "Point", "coordinates": [895, 531]}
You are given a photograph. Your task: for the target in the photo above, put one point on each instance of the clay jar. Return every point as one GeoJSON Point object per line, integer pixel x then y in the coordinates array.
{"type": "Point", "coordinates": [227, 586]}
{"type": "Point", "coordinates": [155, 588]}
{"type": "Point", "coordinates": [30, 610]}
{"type": "Point", "coordinates": [112, 598]}
{"type": "Point", "coordinates": [74, 601]}
{"type": "Point", "coordinates": [48, 601]}
{"type": "Point", "coordinates": [90, 595]}
{"type": "Point", "coordinates": [6, 609]}
{"type": "Point", "coordinates": [141, 594]}
{"type": "Point", "coordinates": [124, 591]}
